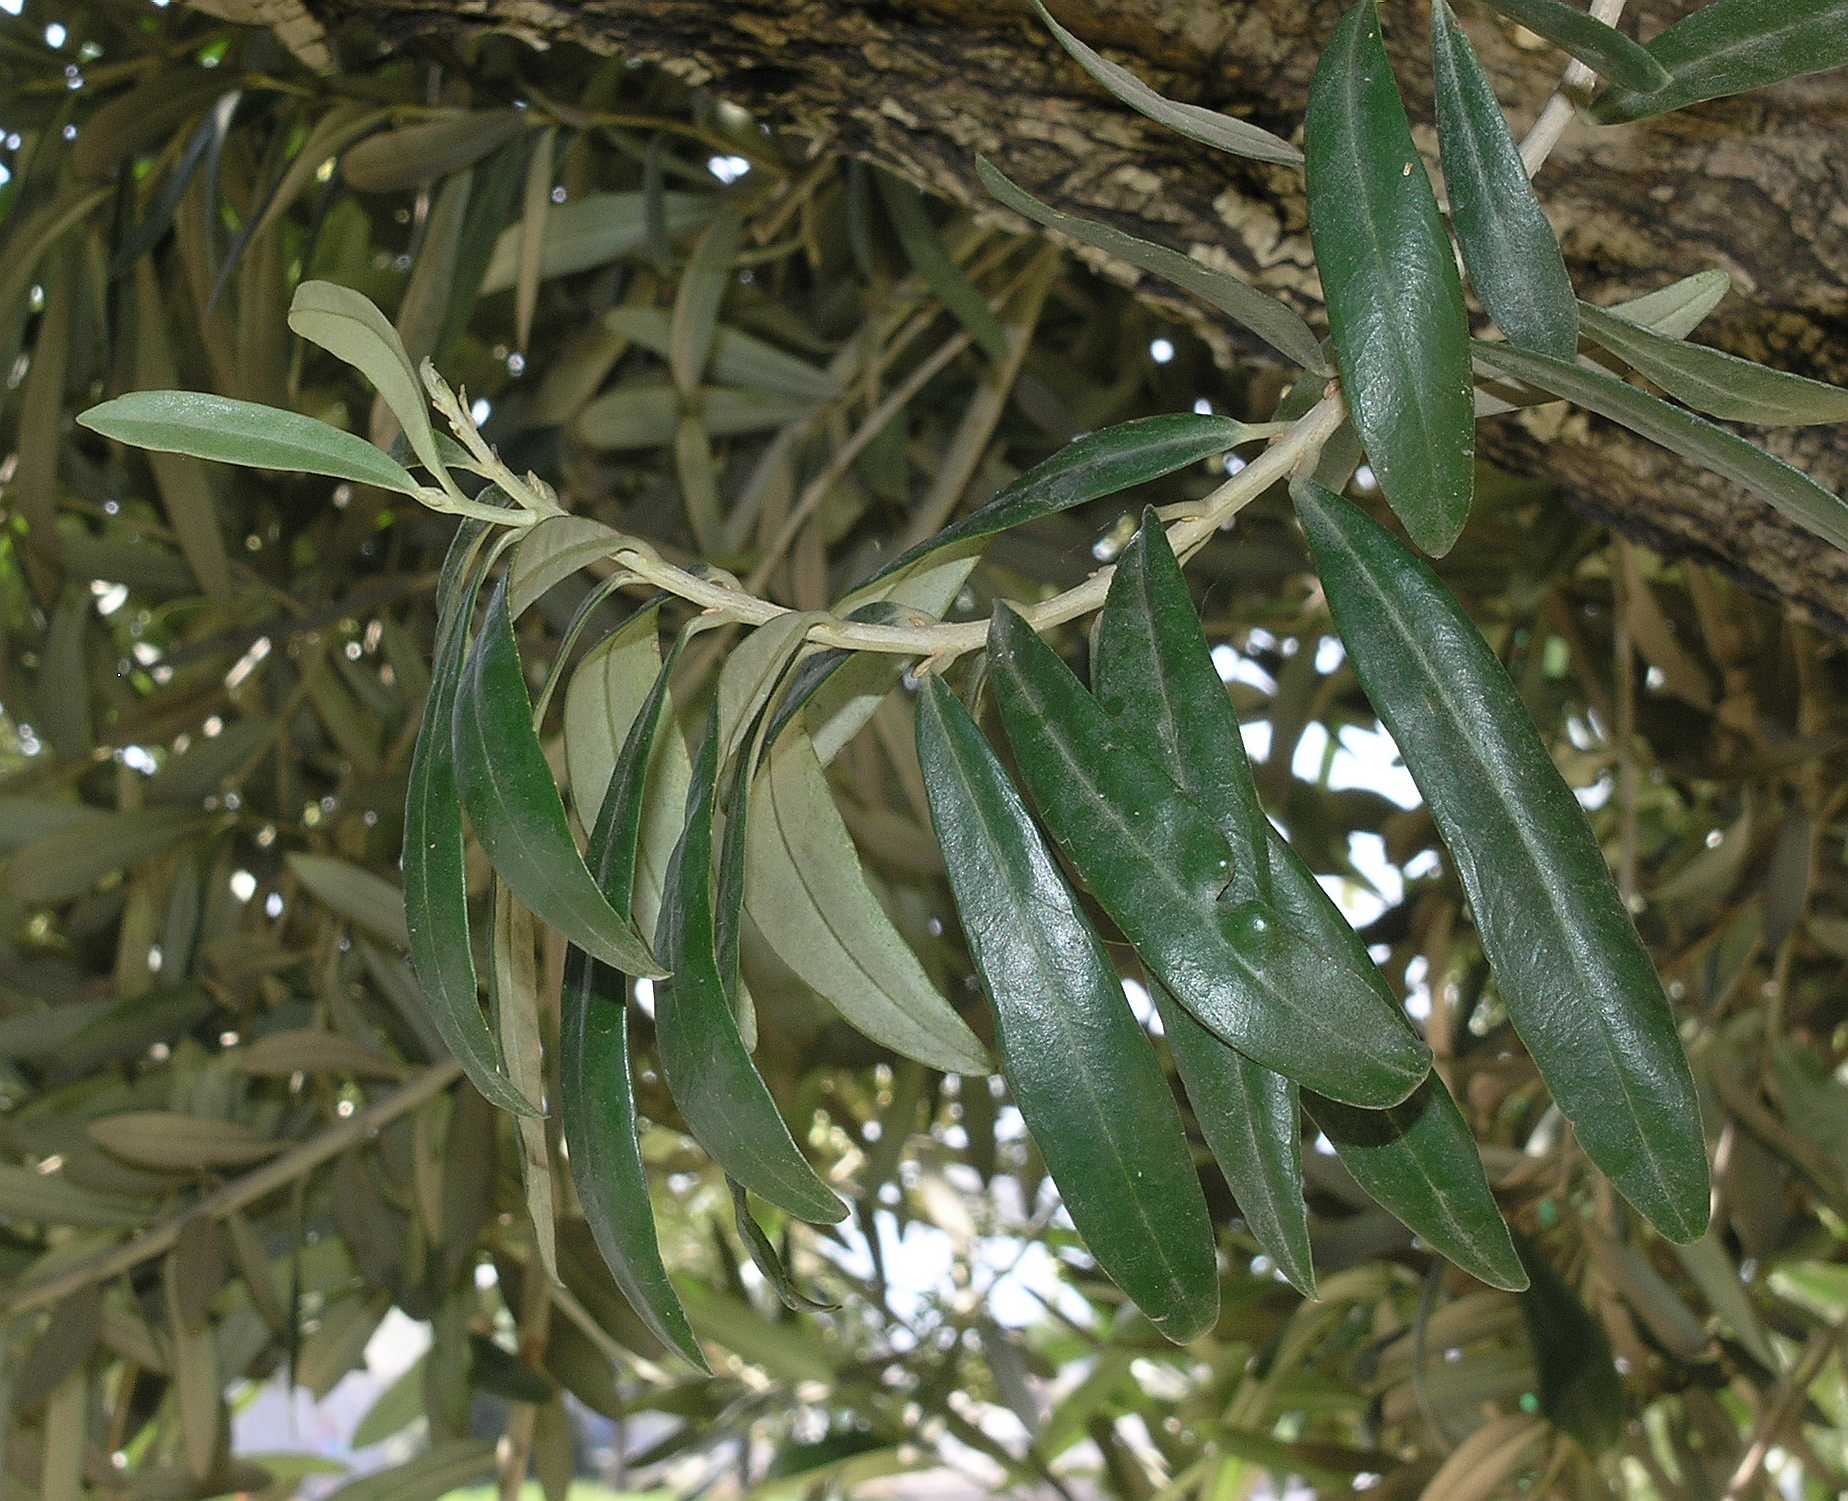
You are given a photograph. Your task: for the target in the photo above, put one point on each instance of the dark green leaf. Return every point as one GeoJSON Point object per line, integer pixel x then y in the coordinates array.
{"type": "Point", "coordinates": [765, 1258]}
{"type": "Point", "coordinates": [1158, 865]}
{"type": "Point", "coordinates": [435, 880]}
{"type": "Point", "coordinates": [1712, 381]}
{"type": "Point", "coordinates": [1577, 982]}
{"type": "Point", "coordinates": [1105, 462]}
{"type": "Point", "coordinates": [1732, 46]}
{"type": "Point", "coordinates": [728, 1107]}
{"type": "Point", "coordinates": [1395, 304]}
{"type": "Point", "coordinates": [1510, 249]}
{"type": "Point", "coordinates": [1082, 1074]}
{"type": "Point", "coordinates": [242, 432]}
{"type": "Point", "coordinates": [1208, 127]}
{"type": "Point", "coordinates": [1417, 1159]}
{"type": "Point", "coordinates": [1272, 321]}
{"type": "Point", "coordinates": [506, 786]}
{"type": "Point", "coordinates": [1580, 1390]}
{"type": "Point", "coordinates": [1604, 49]}
{"type": "Point", "coordinates": [1794, 493]}
{"type": "Point", "coordinates": [1252, 1120]}
{"type": "Point", "coordinates": [1154, 672]}
{"type": "Point", "coordinates": [905, 206]}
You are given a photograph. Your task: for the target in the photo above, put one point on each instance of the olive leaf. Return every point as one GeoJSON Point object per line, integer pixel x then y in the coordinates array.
{"type": "Point", "coordinates": [1395, 305]}
{"type": "Point", "coordinates": [1730, 47]}
{"type": "Point", "coordinates": [1509, 249]}
{"type": "Point", "coordinates": [1079, 1067]}
{"type": "Point", "coordinates": [1577, 981]}
{"type": "Point", "coordinates": [1208, 127]}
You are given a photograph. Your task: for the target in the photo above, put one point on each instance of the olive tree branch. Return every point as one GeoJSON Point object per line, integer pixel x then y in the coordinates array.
{"type": "Point", "coordinates": [1190, 525]}
{"type": "Point", "coordinates": [1558, 111]}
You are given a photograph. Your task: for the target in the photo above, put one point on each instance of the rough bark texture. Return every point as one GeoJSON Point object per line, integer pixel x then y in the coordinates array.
{"type": "Point", "coordinates": [1758, 186]}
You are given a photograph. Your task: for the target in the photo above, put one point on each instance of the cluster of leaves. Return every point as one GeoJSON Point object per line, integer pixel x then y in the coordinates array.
{"type": "Point", "coordinates": [265, 1026]}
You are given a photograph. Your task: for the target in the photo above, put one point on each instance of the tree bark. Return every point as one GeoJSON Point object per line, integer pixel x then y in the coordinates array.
{"type": "Point", "coordinates": [1757, 186]}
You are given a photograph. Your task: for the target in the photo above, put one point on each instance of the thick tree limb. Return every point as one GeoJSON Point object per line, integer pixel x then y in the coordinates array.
{"type": "Point", "coordinates": [1758, 186]}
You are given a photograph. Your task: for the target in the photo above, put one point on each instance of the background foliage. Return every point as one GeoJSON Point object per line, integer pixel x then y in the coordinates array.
{"type": "Point", "coordinates": [213, 679]}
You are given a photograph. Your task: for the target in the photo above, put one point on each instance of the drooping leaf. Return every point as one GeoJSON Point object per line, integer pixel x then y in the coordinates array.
{"type": "Point", "coordinates": [1105, 462]}
{"type": "Point", "coordinates": [1079, 1067]}
{"type": "Point", "coordinates": [1395, 304]}
{"type": "Point", "coordinates": [1577, 982]}
{"type": "Point", "coordinates": [428, 294]}
{"type": "Point", "coordinates": [394, 160]}
{"type": "Point", "coordinates": [596, 1082]}
{"type": "Point", "coordinates": [1580, 1390]}
{"type": "Point", "coordinates": [1790, 490]}
{"type": "Point", "coordinates": [1277, 324]}
{"type": "Point", "coordinates": [506, 785]}
{"type": "Point", "coordinates": [1417, 1158]}
{"type": "Point", "coordinates": [703, 283]}
{"type": "Point", "coordinates": [1732, 46]}
{"type": "Point", "coordinates": [1208, 127]}
{"type": "Point", "coordinates": [807, 894]}
{"type": "Point", "coordinates": [946, 280]}
{"type": "Point", "coordinates": [728, 1107]}
{"type": "Point", "coordinates": [1712, 381]}
{"type": "Point", "coordinates": [767, 1260]}
{"type": "Point", "coordinates": [591, 231]}
{"type": "Point", "coordinates": [550, 552]}
{"type": "Point", "coordinates": [349, 327]}
{"type": "Point", "coordinates": [1510, 250]}
{"type": "Point", "coordinates": [513, 989]}
{"type": "Point", "coordinates": [1153, 673]}
{"type": "Point", "coordinates": [534, 201]}
{"type": "Point", "coordinates": [1252, 1120]}
{"type": "Point", "coordinates": [435, 880]}
{"type": "Point", "coordinates": [1602, 48]}
{"type": "Point", "coordinates": [1158, 865]}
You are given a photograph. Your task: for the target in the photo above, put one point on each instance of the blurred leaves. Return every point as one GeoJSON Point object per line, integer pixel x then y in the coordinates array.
{"type": "Point", "coordinates": [214, 683]}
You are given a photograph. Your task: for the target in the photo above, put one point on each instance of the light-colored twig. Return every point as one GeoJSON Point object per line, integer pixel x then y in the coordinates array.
{"type": "Point", "coordinates": [943, 643]}
{"type": "Point", "coordinates": [1559, 110]}
{"type": "Point", "coordinates": [235, 1195]}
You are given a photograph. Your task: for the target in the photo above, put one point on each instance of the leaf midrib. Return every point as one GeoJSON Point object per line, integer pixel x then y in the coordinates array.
{"type": "Point", "coordinates": [1049, 963]}
{"type": "Point", "coordinates": [570, 893]}
{"type": "Point", "coordinates": [1349, 120]}
{"type": "Point", "coordinates": [1161, 868]}
{"type": "Point", "coordinates": [1522, 842]}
